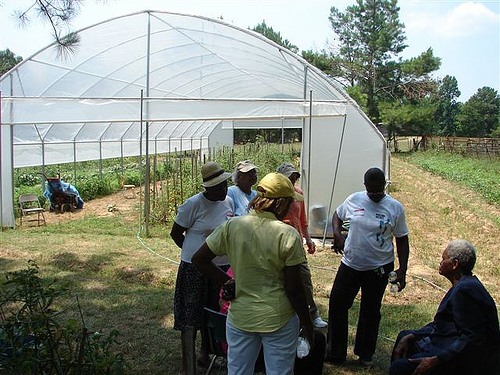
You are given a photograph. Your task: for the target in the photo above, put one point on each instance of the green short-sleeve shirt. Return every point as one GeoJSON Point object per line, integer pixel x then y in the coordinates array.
{"type": "Point", "coordinates": [258, 247]}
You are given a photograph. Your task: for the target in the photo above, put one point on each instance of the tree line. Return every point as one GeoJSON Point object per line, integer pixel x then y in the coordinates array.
{"type": "Point", "coordinates": [400, 95]}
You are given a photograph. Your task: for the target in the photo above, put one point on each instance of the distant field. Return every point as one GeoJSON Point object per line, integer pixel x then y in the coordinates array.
{"type": "Point", "coordinates": [481, 175]}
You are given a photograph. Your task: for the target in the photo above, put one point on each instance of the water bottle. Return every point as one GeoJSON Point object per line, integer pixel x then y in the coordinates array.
{"type": "Point", "coordinates": [303, 347]}
{"type": "Point", "coordinates": [392, 277]}
{"type": "Point", "coordinates": [395, 287]}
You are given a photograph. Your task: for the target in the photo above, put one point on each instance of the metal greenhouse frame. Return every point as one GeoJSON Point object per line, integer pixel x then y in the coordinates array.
{"type": "Point", "coordinates": [187, 81]}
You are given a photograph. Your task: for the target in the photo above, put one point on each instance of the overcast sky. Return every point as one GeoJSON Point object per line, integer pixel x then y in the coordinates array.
{"type": "Point", "coordinates": [464, 34]}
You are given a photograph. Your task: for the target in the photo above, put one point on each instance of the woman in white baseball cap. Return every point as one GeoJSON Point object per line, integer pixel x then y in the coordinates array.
{"type": "Point", "coordinates": [244, 177]}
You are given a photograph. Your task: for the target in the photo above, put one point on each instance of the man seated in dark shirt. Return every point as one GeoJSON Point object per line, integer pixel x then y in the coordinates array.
{"type": "Point", "coordinates": [464, 337]}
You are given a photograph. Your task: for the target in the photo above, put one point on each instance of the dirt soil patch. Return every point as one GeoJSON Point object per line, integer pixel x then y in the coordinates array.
{"type": "Point", "coordinates": [125, 202]}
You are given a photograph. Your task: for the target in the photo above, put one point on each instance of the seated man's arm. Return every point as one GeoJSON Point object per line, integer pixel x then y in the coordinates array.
{"type": "Point", "coordinates": [405, 343]}
{"type": "Point", "coordinates": [402, 348]}
{"type": "Point", "coordinates": [426, 365]}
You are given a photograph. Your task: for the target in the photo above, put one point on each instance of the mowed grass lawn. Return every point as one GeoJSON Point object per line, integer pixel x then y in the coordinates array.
{"type": "Point", "coordinates": [129, 286]}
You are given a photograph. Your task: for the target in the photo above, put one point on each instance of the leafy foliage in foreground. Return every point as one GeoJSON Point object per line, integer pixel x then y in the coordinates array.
{"type": "Point", "coordinates": [480, 175]}
{"type": "Point", "coordinates": [34, 339]}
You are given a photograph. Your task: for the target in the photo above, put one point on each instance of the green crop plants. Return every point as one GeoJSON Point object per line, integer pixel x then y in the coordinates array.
{"type": "Point", "coordinates": [481, 175]}
{"type": "Point", "coordinates": [181, 177]}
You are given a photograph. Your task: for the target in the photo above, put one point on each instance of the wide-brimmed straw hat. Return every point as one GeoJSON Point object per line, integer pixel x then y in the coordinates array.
{"type": "Point", "coordinates": [276, 185]}
{"type": "Point", "coordinates": [212, 174]}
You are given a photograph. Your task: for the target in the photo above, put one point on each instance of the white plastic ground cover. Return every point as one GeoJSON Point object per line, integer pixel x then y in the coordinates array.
{"type": "Point", "coordinates": [191, 80]}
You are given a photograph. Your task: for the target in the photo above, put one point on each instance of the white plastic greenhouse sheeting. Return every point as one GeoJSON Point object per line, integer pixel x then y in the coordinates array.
{"type": "Point", "coordinates": [333, 165]}
{"type": "Point", "coordinates": [198, 78]}
{"type": "Point", "coordinates": [29, 150]}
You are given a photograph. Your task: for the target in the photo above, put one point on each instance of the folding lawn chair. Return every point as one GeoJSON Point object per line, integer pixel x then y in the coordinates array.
{"type": "Point", "coordinates": [30, 205]}
{"type": "Point", "coordinates": [215, 325]}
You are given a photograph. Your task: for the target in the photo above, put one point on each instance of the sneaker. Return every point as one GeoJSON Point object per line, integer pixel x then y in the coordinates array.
{"type": "Point", "coordinates": [366, 362]}
{"type": "Point", "coordinates": [319, 323]}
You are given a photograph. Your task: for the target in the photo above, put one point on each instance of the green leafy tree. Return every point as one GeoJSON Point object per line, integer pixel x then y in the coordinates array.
{"type": "Point", "coordinates": [370, 35]}
{"type": "Point", "coordinates": [369, 39]}
{"type": "Point", "coordinates": [480, 115]}
{"type": "Point", "coordinates": [408, 117]}
{"type": "Point", "coordinates": [8, 60]}
{"type": "Point", "coordinates": [409, 91]}
{"type": "Point", "coordinates": [496, 132]}
{"type": "Point", "coordinates": [347, 58]}
{"type": "Point", "coordinates": [275, 36]}
{"type": "Point", "coordinates": [448, 106]}
{"type": "Point", "coordinates": [357, 94]}
{"type": "Point", "coordinates": [321, 60]}
{"type": "Point", "coordinates": [411, 78]}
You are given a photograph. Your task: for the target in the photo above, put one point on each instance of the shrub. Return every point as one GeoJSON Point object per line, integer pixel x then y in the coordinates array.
{"type": "Point", "coordinates": [94, 187]}
{"type": "Point", "coordinates": [34, 339]}
{"type": "Point", "coordinates": [132, 178]}
{"type": "Point", "coordinates": [27, 179]}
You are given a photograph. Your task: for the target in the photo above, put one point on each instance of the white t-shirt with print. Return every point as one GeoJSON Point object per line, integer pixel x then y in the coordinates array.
{"type": "Point", "coordinates": [373, 225]}
{"type": "Point", "coordinates": [240, 199]}
{"type": "Point", "coordinates": [201, 216]}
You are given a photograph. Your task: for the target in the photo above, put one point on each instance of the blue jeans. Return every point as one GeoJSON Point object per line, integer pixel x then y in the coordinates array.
{"type": "Point", "coordinates": [279, 349]}
{"type": "Point", "coordinates": [346, 286]}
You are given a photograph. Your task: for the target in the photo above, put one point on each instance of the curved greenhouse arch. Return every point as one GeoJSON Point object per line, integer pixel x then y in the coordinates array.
{"type": "Point", "coordinates": [186, 74]}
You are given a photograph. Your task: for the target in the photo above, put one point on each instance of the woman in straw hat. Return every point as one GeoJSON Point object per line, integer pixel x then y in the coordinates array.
{"type": "Point", "coordinates": [196, 218]}
{"type": "Point", "coordinates": [268, 305]}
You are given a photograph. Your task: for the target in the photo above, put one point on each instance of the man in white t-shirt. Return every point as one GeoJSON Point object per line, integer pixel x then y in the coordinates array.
{"type": "Point", "coordinates": [375, 218]}
{"type": "Point", "coordinates": [244, 177]}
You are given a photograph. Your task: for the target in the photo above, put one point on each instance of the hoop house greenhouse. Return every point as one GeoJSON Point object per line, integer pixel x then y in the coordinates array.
{"type": "Point", "coordinates": [181, 82]}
